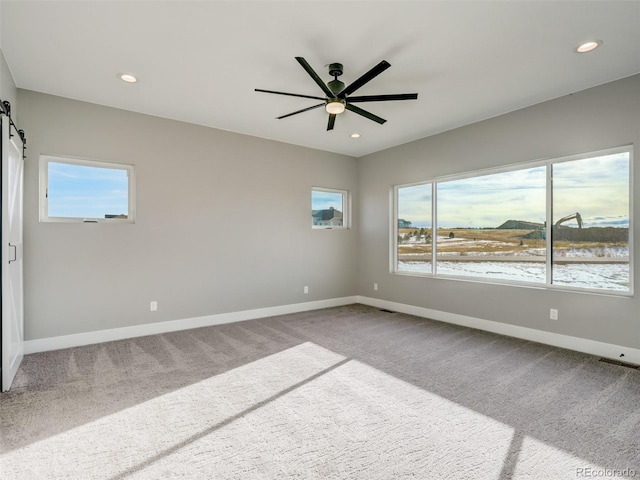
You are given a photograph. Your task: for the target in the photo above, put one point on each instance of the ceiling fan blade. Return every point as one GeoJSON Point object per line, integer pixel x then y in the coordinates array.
{"type": "Point", "coordinates": [370, 75]}
{"type": "Point", "coordinates": [300, 111]}
{"type": "Point", "coordinates": [364, 113]}
{"type": "Point", "coordinates": [383, 98]}
{"type": "Point", "coordinates": [288, 94]}
{"type": "Point", "coordinates": [315, 76]}
{"type": "Point", "coordinates": [332, 121]}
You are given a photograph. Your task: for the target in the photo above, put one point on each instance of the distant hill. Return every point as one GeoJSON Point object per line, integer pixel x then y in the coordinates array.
{"type": "Point", "coordinates": [520, 225]}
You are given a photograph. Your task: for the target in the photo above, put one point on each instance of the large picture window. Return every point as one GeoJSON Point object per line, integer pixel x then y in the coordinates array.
{"type": "Point", "coordinates": [562, 222]}
{"type": "Point", "coordinates": [76, 190]}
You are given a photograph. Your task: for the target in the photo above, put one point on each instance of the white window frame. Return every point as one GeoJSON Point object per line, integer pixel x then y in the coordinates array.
{"type": "Point", "coordinates": [346, 204]}
{"type": "Point", "coordinates": [393, 257]}
{"type": "Point", "coordinates": [44, 185]}
{"type": "Point", "coordinates": [394, 231]}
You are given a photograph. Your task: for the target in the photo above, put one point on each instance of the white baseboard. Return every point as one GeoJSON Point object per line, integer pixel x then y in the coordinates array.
{"type": "Point", "coordinates": [600, 349]}
{"type": "Point", "coordinates": [607, 350]}
{"type": "Point", "coordinates": [100, 336]}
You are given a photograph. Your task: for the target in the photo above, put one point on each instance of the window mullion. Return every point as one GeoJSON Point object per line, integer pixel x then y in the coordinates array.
{"type": "Point", "coordinates": [549, 226]}
{"type": "Point", "coordinates": [434, 228]}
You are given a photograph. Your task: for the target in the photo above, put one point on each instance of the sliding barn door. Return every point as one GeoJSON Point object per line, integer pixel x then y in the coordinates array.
{"type": "Point", "coordinates": [11, 237]}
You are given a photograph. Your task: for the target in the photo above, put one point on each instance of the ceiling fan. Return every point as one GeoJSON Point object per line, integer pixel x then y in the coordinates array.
{"type": "Point", "coordinates": [337, 97]}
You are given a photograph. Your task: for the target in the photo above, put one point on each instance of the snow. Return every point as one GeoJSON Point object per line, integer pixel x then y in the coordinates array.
{"type": "Point", "coordinates": [607, 276]}
{"type": "Point", "coordinates": [615, 252]}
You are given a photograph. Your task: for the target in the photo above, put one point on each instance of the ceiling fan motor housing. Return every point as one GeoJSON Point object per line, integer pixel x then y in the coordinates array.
{"type": "Point", "coordinates": [335, 85]}
{"type": "Point", "coordinates": [335, 69]}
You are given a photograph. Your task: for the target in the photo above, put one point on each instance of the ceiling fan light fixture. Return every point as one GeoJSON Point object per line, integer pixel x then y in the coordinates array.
{"type": "Point", "coordinates": [335, 106]}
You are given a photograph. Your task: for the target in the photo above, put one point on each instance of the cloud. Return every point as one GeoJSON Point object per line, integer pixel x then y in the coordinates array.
{"type": "Point", "coordinates": [490, 200]}
{"type": "Point", "coordinates": [414, 204]}
{"type": "Point", "coordinates": [597, 188]}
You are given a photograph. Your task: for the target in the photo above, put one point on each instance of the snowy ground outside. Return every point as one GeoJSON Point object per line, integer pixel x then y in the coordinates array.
{"type": "Point", "coordinates": [608, 276]}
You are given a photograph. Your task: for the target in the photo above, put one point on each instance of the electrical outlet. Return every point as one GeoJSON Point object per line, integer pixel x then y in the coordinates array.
{"type": "Point", "coordinates": [306, 289]}
{"type": "Point", "coordinates": [553, 314]}
{"type": "Point", "coordinates": [153, 306]}
{"type": "Point", "coordinates": [375, 287]}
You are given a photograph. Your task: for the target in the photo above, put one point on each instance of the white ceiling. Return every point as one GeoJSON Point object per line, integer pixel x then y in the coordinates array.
{"type": "Point", "coordinates": [199, 62]}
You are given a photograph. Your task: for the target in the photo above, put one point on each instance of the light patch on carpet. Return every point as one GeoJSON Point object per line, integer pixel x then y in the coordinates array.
{"type": "Point", "coordinates": [115, 443]}
{"type": "Point", "coordinates": [353, 422]}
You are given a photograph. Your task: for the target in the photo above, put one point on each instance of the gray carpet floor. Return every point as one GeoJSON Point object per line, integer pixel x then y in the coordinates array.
{"type": "Point", "coordinates": [343, 393]}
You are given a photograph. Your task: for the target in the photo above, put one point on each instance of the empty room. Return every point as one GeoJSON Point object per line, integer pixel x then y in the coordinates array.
{"type": "Point", "coordinates": [319, 239]}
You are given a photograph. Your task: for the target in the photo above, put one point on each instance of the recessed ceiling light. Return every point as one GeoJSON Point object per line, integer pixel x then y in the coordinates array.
{"type": "Point", "coordinates": [355, 135]}
{"type": "Point", "coordinates": [589, 46]}
{"type": "Point", "coordinates": [127, 77]}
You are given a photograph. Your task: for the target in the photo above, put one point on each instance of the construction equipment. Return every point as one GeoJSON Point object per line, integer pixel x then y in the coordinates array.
{"type": "Point", "coordinates": [570, 217]}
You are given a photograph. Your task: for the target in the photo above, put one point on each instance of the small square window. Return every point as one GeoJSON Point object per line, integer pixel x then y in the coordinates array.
{"type": "Point", "coordinates": [329, 208]}
{"type": "Point", "coordinates": [75, 190]}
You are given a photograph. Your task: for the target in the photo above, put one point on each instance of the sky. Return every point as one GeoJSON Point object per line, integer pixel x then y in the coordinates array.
{"type": "Point", "coordinates": [597, 188]}
{"type": "Point", "coordinates": [321, 200]}
{"type": "Point", "coordinates": [80, 191]}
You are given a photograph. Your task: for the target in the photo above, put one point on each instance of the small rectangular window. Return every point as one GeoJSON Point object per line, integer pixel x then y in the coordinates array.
{"type": "Point", "coordinates": [328, 208]}
{"type": "Point", "coordinates": [76, 190]}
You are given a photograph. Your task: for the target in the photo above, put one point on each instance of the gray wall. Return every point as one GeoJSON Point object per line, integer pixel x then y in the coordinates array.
{"type": "Point", "coordinates": [223, 219]}
{"type": "Point", "coordinates": [223, 223]}
{"type": "Point", "coordinates": [599, 118]}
